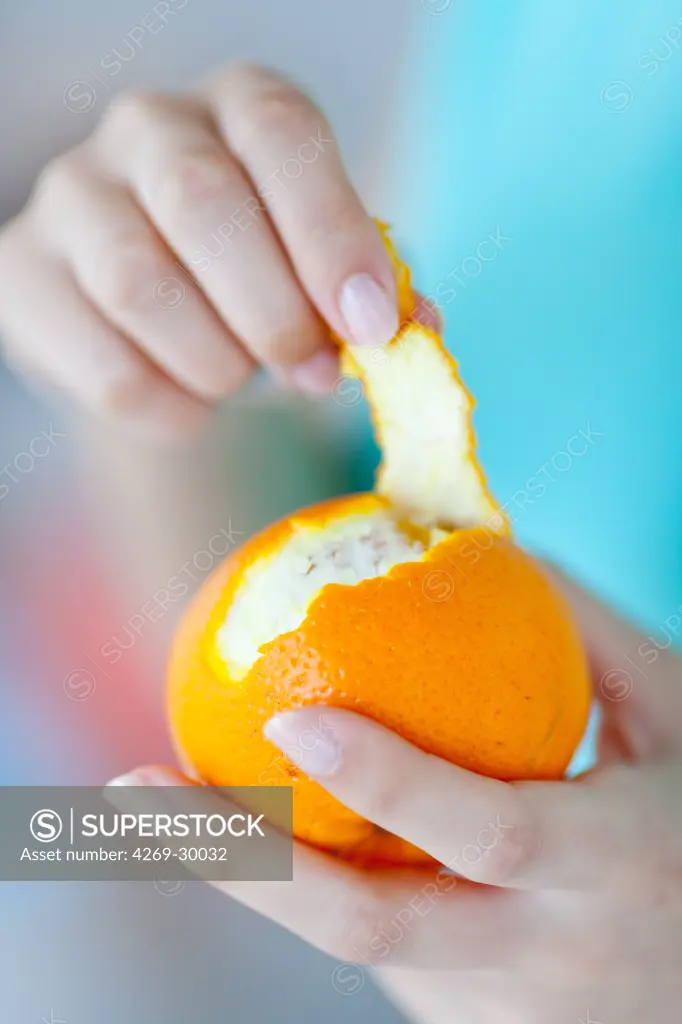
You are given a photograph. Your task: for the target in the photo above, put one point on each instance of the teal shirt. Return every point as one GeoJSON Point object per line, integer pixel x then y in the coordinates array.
{"type": "Point", "coordinates": [538, 195]}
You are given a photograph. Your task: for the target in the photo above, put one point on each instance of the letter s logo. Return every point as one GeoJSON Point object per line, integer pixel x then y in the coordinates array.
{"type": "Point", "coordinates": [46, 826]}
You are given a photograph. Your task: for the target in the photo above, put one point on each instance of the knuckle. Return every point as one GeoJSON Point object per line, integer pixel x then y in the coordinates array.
{"type": "Point", "coordinates": [506, 861]}
{"type": "Point", "coordinates": [196, 176]}
{"type": "Point", "coordinates": [289, 347]}
{"type": "Point", "coordinates": [244, 78]}
{"type": "Point", "coordinates": [61, 177]}
{"type": "Point", "coordinates": [278, 110]}
{"type": "Point", "coordinates": [241, 73]}
{"type": "Point", "coordinates": [507, 858]}
{"type": "Point", "coordinates": [124, 279]}
{"type": "Point", "coordinates": [336, 226]}
{"type": "Point", "coordinates": [337, 223]}
{"type": "Point", "coordinates": [133, 109]}
{"type": "Point", "coordinates": [384, 797]}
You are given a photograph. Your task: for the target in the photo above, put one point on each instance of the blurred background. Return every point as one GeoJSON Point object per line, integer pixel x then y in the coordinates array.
{"type": "Point", "coordinates": [547, 138]}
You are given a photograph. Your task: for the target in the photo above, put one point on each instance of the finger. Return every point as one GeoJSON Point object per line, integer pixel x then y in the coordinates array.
{"type": "Point", "coordinates": [427, 313]}
{"type": "Point", "coordinates": [125, 268]}
{"type": "Point", "coordinates": [376, 918]}
{"type": "Point", "coordinates": [426, 919]}
{"type": "Point", "coordinates": [637, 678]}
{"type": "Point", "coordinates": [290, 153]}
{"type": "Point", "coordinates": [202, 203]}
{"type": "Point", "coordinates": [521, 836]}
{"type": "Point", "coordinates": [80, 352]}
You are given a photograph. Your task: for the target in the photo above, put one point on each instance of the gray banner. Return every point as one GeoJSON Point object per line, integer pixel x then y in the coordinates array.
{"type": "Point", "coordinates": [162, 834]}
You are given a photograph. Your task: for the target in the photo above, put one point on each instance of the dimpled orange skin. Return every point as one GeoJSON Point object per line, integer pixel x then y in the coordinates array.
{"type": "Point", "coordinates": [470, 654]}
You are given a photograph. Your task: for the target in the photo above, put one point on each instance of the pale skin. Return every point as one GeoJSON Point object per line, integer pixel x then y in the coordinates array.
{"type": "Point", "coordinates": [159, 263]}
{"type": "Point", "coordinates": [573, 910]}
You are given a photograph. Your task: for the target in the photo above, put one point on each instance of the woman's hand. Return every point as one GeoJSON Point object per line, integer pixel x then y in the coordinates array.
{"type": "Point", "coordinates": [190, 239]}
{"type": "Point", "coordinates": [567, 900]}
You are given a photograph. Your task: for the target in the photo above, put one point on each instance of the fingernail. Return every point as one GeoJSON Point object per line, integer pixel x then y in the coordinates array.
{"type": "Point", "coordinates": [370, 315]}
{"type": "Point", "coordinates": [130, 779]}
{"type": "Point", "coordinates": [143, 777]}
{"type": "Point", "coordinates": [304, 745]}
{"type": "Point", "coordinates": [318, 374]}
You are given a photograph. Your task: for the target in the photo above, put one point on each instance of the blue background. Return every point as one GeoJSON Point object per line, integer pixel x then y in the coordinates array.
{"type": "Point", "coordinates": [561, 125]}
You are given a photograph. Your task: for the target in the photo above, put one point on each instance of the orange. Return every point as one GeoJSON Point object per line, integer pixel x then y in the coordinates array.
{"type": "Point", "coordinates": [411, 605]}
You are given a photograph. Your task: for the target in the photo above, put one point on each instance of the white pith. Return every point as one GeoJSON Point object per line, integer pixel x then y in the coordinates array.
{"type": "Point", "coordinates": [422, 412]}
{"type": "Point", "coordinates": [278, 588]}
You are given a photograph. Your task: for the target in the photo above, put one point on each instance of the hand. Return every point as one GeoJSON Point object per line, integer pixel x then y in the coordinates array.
{"type": "Point", "coordinates": [190, 239]}
{"type": "Point", "coordinates": [567, 904]}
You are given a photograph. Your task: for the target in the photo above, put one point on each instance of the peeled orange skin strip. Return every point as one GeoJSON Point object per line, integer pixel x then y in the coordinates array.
{"type": "Point", "coordinates": [422, 416]}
